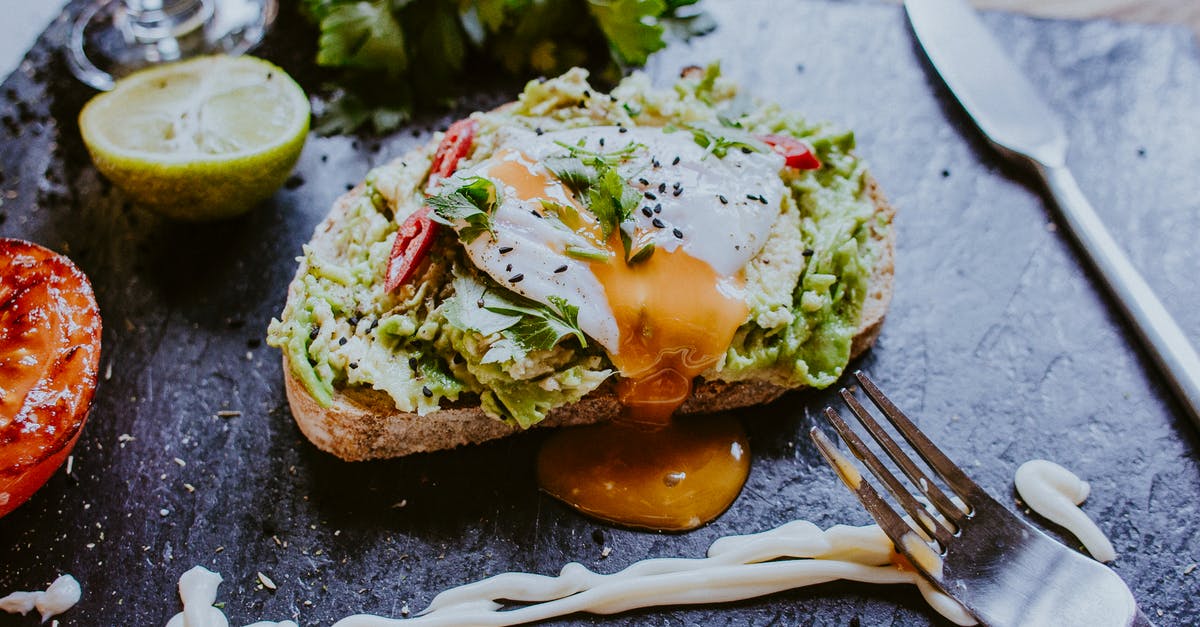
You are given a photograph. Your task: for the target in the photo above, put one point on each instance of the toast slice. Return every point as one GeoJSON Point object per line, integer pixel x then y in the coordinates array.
{"type": "Point", "coordinates": [363, 423]}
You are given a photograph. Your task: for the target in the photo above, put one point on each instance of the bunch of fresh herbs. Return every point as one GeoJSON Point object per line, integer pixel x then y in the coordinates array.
{"type": "Point", "coordinates": [400, 56]}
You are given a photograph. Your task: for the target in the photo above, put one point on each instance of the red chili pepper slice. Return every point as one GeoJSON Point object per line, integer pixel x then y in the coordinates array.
{"type": "Point", "coordinates": [417, 233]}
{"type": "Point", "coordinates": [413, 240]}
{"type": "Point", "coordinates": [796, 153]}
{"type": "Point", "coordinates": [453, 148]}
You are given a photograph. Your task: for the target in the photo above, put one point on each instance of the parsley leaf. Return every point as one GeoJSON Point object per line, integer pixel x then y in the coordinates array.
{"type": "Point", "coordinates": [541, 327]}
{"type": "Point", "coordinates": [472, 204]}
{"type": "Point", "coordinates": [611, 200]}
{"type": "Point", "coordinates": [362, 35]}
{"type": "Point", "coordinates": [631, 27]}
{"type": "Point", "coordinates": [523, 325]}
{"type": "Point", "coordinates": [719, 139]}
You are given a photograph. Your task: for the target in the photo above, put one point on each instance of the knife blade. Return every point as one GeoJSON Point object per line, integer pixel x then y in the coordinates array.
{"type": "Point", "coordinates": [1015, 119]}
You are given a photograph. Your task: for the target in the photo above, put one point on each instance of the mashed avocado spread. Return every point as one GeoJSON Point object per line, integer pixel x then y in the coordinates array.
{"type": "Point", "coordinates": [430, 342]}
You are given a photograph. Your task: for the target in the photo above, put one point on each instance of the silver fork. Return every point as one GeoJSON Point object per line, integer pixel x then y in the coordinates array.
{"type": "Point", "coordinates": [999, 567]}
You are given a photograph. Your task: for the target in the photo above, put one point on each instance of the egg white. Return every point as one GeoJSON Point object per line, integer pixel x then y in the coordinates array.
{"type": "Point", "coordinates": [724, 211]}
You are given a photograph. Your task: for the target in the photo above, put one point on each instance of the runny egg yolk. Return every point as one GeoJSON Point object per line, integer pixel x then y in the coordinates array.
{"type": "Point", "coordinates": [676, 317]}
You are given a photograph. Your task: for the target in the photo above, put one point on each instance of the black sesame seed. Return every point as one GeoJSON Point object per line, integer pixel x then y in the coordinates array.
{"type": "Point", "coordinates": [479, 303]}
{"type": "Point", "coordinates": [654, 162]}
{"type": "Point", "coordinates": [746, 151]}
{"type": "Point", "coordinates": [312, 335]}
{"type": "Point", "coordinates": [808, 252]}
{"type": "Point", "coordinates": [516, 278]}
{"type": "Point", "coordinates": [662, 187]}
{"type": "Point", "coordinates": [342, 341]}
{"type": "Point", "coordinates": [677, 233]}
{"type": "Point", "coordinates": [622, 129]}
{"type": "Point", "coordinates": [678, 191]}
{"type": "Point", "coordinates": [353, 320]}
{"type": "Point", "coordinates": [508, 268]}
{"type": "Point", "coordinates": [535, 213]}
{"type": "Point", "coordinates": [658, 208]}
{"type": "Point", "coordinates": [353, 366]}
{"type": "Point", "coordinates": [658, 223]}
{"type": "Point", "coordinates": [945, 174]}
{"type": "Point", "coordinates": [723, 199]}
{"type": "Point", "coordinates": [650, 196]}
{"type": "Point", "coordinates": [560, 270]}
{"type": "Point", "coordinates": [538, 130]}
{"type": "Point", "coordinates": [644, 182]}
{"type": "Point", "coordinates": [762, 199]}
{"type": "Point", "coordinates": [426, 391]}
{"type": "Point", "coordinates": [412, 363]}
{"type": "Point", "coordinates": [601, 142]}
{"type": "Point", "coordinates": [647, 212]}
{"type": "Point", "coordinates": [504, 250]}
{"type": "Point", "coordinates": [675, 161]}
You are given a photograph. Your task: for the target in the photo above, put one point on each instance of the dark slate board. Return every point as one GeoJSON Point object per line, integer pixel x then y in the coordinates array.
{"type": "Point", "coordinates": [998, 342]}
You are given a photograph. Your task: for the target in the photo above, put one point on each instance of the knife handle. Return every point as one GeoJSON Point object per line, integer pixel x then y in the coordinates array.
{"type": "Point", "coordinates": [1158, 331]}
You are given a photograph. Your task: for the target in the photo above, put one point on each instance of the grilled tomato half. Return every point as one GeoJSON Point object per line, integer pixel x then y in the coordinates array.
{"type": "Point", "coordinates": [49, 354]}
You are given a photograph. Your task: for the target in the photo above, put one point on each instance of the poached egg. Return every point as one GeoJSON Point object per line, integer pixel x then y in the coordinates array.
{"type": "Point", "coordinates": [665, 319]}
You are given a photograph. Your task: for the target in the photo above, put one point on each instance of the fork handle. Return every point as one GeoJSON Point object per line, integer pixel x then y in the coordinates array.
{"type": "Point", "coordinates": [1158, 331]}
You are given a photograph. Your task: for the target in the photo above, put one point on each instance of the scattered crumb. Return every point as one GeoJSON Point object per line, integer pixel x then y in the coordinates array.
{"type": "Point", "coordinates": [164, 512]}
{"type": "Point", "coordinates": [70, 464]}
{"type": "Point", "coordinates": [180, 462]}
{"type": "Point", "coordinates": [606, 552]}
{"type": "Point", "coordinates": [1189, 569]}
{"type": "Point", "coordinates": [1160, 612]}
{"type": "Point", "coordinates": [401, 503]}
{"type": "Point", "coordinates": [218, 549]}
{"type": "Point", "coordinates": [266, 581]}
{"type": "Point", "coordinates": [404, 609]}
{"type": "Point", "coordinates": [1052, 227]}
{"type": "Point", "coordinates": [189, 487]}
{"type": "Point", "coordinates": [108, 371]}
{"type": "Point", "coordinates": [228, 413]}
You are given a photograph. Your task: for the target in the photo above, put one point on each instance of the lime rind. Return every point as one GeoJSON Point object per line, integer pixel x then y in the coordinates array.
{"type": "Point", "coordinates": [224, 133]}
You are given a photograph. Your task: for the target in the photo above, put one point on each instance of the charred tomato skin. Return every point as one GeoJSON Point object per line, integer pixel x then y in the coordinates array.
{"type": "Point", "coordinates": [49, 359]}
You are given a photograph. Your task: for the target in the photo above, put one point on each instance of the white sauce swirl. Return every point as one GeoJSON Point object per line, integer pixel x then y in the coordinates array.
{"type": "Point", "coordinates": [61, 596]}
{"type": "Point", "coordinates": [737, 567]}
{"type": "Point", "coordinates": [1056, 493]}
{"type": "Point", "coordinates": [793, 555]}
{"type": "Point", "coordinates": [198, 591]}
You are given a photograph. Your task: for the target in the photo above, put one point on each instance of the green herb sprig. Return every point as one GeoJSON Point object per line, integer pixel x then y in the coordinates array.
{"type": "Point", "coordinates": [404, 55]}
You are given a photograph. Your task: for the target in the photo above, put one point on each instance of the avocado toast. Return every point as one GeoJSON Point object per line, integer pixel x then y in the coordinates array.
{"type": "Point", "coordinates": [461, 353]}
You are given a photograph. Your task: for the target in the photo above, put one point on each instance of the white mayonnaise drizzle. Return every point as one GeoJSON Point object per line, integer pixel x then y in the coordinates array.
{"type": "Point", "coordinates": [737, 567]}
{"type": "Point", "coordinates": [198, 591]}
{"type": "Point", "coordinates": [61, 596]}
{"type": "Point", "coordinates": [1056, 493]}
{"type": "Point", "coordinates": [793, 555]}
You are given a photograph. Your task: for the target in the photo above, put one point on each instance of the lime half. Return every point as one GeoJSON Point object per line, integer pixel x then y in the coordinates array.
{"type": "Point", "coordinates": [203, 139]}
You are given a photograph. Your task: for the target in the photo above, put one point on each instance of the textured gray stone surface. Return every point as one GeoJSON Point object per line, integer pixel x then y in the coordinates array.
{"type": "Point", "coordinates": [998, 343]}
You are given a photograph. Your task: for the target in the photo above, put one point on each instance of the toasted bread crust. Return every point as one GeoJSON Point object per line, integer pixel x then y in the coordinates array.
{"type": "Point", "coordinates": [363, 424]}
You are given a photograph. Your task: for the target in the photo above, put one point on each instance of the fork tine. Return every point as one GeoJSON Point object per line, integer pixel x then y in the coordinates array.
{"type": "Point", "coordinates": [919, 514]}
{"type": "Point", "coordinates": [887, 518]}
{"type": "Point", "coordinates": [937, 460]}
{"type": "Point", "coordinates": [939, 499]}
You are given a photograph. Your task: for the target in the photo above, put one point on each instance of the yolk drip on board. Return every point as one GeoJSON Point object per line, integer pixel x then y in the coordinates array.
{"type": "Point", "coordinates": [676, 317]}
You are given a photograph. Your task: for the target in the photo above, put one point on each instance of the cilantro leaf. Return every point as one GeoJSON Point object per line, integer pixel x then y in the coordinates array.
{"type": "Point", "coordinates": [472, 204]}
{"type": "Point", "coordinates": [631, 27]}
{"type": "Point", "coordinates": [541, 327]}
